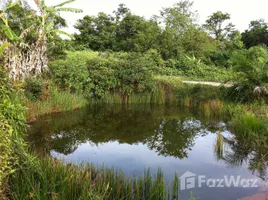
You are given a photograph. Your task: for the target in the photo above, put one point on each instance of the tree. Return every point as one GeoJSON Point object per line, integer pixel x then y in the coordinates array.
{"type": "Point", "coordinates": [181, 34]}
{"type": "Point", "coordinates": [234, 40]}
{"type": "Point", "coordinates": [121, 12]}
{"type": "Point", "coordinates": [215, 25]}
{"type": "Point", "coordinates": [257, 34]}
{"type": "Point", "coordinates": [176, 20]}
{"type": "Point", "coordinates": [28, 53]}
{"type": "Point", "coordinates": [149, 37]}
{"type": "Point", "coordinates": [122, 32]}
{"type": "Point", "coordinates": [179, 16]}
{"type": "Point", "coordinates": [129, 32]}
{"type": "Point", "coordinates": [197, 42]}
{"type": "Point", "coordinates": [96, 33]}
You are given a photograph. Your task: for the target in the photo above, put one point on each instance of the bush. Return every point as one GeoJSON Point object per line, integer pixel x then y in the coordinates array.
{"type": "Point", "coordinates": [120, 73]}
{"type": "Point", "coordinates": [12, 120]}
{"type": "Point", "coordinates": [72, 74]}
{"type": "Point", "coordinates": [193, 68]}
{"type": "Point", "coordinates": [34, 88]}
{"type": "Point", "coordinates": [251, 80]}
{"type": "Point", "coordinates": [96, 75]}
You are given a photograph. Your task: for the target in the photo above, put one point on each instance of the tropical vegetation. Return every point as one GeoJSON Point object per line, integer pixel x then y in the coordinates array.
{"type": "Point", "coordinates": [120, 58]}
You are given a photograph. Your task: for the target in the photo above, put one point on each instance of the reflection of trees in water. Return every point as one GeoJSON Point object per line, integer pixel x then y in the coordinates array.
{"type": "Point", "coordinates": [174, 137]}
{"type": "Point", "coordinates": [236, 151]}
{"type": "Point", "coordinates": [166, 131]}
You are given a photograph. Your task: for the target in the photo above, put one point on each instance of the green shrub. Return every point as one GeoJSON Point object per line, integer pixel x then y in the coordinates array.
{"type": "Point", "coordinates": [33, 88]}
{"type": "Point", "coordinates": [251, 80]}
{"type": "Point", "coordinates": [97, 75]}
{"type": "Point", "coordinates": [12, 124]}
{"type": "Point", "coordinates": [71, 74]}
{"type": "Point", "coordinates": [193, 68]}
{"type": "Point", "coordinates": [122, 74]}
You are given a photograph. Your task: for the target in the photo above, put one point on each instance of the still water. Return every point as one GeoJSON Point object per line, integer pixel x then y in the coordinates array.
{"type": "Point", "coordinates": [136, 137]}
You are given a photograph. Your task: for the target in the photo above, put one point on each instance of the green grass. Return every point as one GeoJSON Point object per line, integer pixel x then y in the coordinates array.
{"type": "Point", "coordinates": [167, 90]}
{"type": "Point", "coordinates": [59, 101]}
{"type": "Point", "coordinates": [51, 179]}
{"type": "Point", "coordinates": [248, 124]}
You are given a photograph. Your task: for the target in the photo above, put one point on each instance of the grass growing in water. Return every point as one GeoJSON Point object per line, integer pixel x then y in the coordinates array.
{"type": "Point", "coordinates": [52, 179]}
{"type": "Point", "coordinates": [248, 125]}
{"type": "Point", "coordinates": [213, 108]}
{"type": "Point", "coordinates": [59, 101]}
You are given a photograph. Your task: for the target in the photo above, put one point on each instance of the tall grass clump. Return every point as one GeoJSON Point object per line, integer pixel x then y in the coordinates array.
{"type": "Point", "coordinates": [164, 91]}
{"type": "Point", "coordinates": [248, 124]}
{"type": "Point", "coordinates": [213, 108]}
{"type": "Point", "coordinates": [56, 180]}
{"type": "Point", "coordinates": [59, 101]}
{"type": "Point", "coordinates": [115, 98]}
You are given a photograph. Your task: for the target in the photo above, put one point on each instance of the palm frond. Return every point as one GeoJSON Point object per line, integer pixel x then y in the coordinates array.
{"type": "Point", "coordinates": [64, 33]}
{"type": "Point", "coordinates": [64, 3]}
{"type": "Point", "coordinates": [3, 47]}
{"type": "Point", "coordinates": [75, 10]}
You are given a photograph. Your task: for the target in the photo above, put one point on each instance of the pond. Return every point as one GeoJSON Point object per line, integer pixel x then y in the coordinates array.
{"type": "Point", "coordinates": [213, 163]}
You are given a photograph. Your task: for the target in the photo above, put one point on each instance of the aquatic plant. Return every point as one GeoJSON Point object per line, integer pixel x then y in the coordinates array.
{"type": "Point", "coordinates": [213, 108]}
{"type": "Point", "coordinates": [248, 125]}
{"type": "Point", "coordinates": [59, 101]}
{"type": "Point", "coordinates": [56, 180]}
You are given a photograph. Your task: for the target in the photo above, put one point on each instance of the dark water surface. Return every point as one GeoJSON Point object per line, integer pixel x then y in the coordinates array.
{"type": "Point", "coordinates": [137, 137]}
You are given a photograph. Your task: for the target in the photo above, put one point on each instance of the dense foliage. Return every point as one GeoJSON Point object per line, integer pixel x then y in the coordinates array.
{"type": "Point", "coordinates": [175, 43]}
{"type": "Point", "coordinates": [131, 55]}
{"type": "Point", "coordinates": [251, 67]}
{"type": "Point", "coordinates": [214, 51]}
{"type": "Point", "coordinates": [12, 123]}
{"type": "Point", "coordinates": [97, 75]}
{"type": "Point", "coordinates": [31, 35]}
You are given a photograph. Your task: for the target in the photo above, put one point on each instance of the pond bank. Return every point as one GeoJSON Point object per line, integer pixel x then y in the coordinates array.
{"type": "Point", "coordinates": [48, 177]}
{"type": "Point", "coordinates": [115, 135]}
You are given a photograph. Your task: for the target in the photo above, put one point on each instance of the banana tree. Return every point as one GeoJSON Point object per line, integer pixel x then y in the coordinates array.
{"type": "Point", "coordinates": [29, 57]}
{"type": "Point", "coordinates": [46, 29]}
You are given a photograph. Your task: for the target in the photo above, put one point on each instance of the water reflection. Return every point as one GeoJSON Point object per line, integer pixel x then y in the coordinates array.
{"type": "Point", "coordinates": [237, 150]}
{"type": "Point", "coordinates": [136, 137]}
{"type": "Point", "coordinates": [168, 131]}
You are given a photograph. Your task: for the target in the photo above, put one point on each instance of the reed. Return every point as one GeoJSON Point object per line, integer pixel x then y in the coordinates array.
{"type": "Point", "coordinates": [58, 102]}
{"type": "Point", "coordinates": [213, 108]}
{"type": "Point", "coordinates": [52, 179]}
{"type": "Point", "coordinates": [248, 125]}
